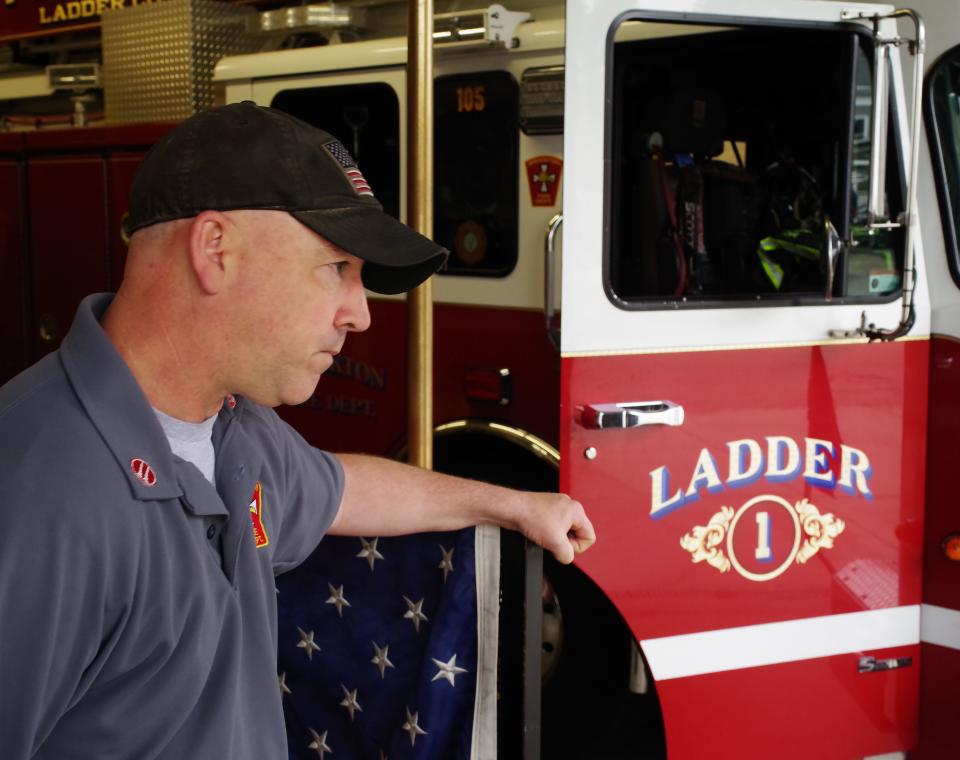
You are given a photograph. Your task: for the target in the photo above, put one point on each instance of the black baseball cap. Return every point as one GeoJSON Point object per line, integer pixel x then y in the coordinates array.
{"type": "Point", "coordinates": [245, 156]}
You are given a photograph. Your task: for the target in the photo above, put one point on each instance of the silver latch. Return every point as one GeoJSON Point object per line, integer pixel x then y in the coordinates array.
{"type": "Point", "coordinates": [631, 414]}
{"type": "Point", "coordinates": [873, 665]}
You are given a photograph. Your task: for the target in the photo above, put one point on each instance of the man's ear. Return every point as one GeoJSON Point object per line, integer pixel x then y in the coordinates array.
{"type": "Point", "coordinates": [207, 249]}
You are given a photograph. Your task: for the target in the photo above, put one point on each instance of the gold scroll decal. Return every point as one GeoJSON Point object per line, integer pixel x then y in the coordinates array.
{"type": "Point", "coordinates": [713, 543]}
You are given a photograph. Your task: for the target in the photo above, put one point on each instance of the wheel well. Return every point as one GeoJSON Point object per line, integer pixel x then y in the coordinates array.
{"type": "Point", "coordinates": [496, 453]}
{"type": "Point", "coordinates": [592, 675]}
{"type": "Point", "coordinates": [592, 684]}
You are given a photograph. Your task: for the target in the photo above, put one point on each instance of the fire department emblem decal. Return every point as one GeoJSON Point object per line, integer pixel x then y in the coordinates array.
{"type": "Point", "coordinates": [260, 538]}
{"type": "Point", "coordinates": [543, 175]}
{"type": "Point", "coordinates": [763, 538]}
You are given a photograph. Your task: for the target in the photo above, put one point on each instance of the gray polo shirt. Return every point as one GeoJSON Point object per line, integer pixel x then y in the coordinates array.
{"type": "Point", "coordinates": [137, 603]}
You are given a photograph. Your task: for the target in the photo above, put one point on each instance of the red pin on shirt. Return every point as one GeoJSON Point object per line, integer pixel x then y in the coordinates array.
{"type": "Point", "coordinates": [144, 472]}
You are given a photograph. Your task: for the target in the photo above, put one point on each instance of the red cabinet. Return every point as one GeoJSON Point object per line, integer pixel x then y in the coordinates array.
{"type": "Point", "coordinates": [63, 195]}
{"type": "Point", "coordinates": [67, 219]}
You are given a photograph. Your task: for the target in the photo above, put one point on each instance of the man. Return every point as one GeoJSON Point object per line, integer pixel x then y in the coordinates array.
{"type": "Point", "coordinates": [150, 494]}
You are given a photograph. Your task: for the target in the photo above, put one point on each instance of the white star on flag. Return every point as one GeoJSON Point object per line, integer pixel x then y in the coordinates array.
{"type": "Point", "coordinates": [446, 564]}
{"type": "Point", "coordinates": [307, 643]}
{"type": "Point", "coordinates": [284, 689]}
{"type": "Point", "coordinates": [369, 551]}
{"type": "Point", "coordinates": [448, 670]}
{"type": "Point", "coordinates": [350, 701]}
{"type": "Point", "coordinates": [414, 613]}
{"type": "Point", "coordinates": [380, 658]}
{"type": "Point", "coordinates": [319, 743]}
{"type": "Point", "coordinates": [337, 598]}
{"type": "Point", "coordinates": [412, 728]}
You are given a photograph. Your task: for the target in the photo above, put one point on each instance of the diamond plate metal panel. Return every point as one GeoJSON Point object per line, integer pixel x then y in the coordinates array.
{"type": "Point", "coordinates": [158, 58]}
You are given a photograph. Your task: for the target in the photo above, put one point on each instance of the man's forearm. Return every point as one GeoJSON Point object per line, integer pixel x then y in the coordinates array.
{"type": "Point", "coordinates": [383, 497]}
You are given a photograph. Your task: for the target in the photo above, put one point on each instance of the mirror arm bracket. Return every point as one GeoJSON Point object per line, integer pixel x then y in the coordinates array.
{"type": "Point", "coordinates": [908, 219]}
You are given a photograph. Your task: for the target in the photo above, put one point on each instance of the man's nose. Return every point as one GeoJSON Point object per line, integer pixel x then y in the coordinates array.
{"type": "Point", "coordinates": [356, 311]}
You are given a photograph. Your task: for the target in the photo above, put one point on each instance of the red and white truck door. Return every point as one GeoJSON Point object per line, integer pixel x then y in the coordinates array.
{"type": "Point", "coordinates": [939, 194]}
{"type": "Point", "coordinates": [754, 468]}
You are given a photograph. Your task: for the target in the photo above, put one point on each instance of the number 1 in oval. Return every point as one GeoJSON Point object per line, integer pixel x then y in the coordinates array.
{"type": "Point", "coordinates": [763, 552]}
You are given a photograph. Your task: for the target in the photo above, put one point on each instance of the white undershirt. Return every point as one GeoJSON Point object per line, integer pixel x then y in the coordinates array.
{"type": "Point", "coordinates": [191, 441]}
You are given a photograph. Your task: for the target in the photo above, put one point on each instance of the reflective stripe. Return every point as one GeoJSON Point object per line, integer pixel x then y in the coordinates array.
{"type": "Point", "coordinates": [774, 271]}
{"type": "Point", "coordinates": [940, 625]}
{"type": "Point", "coordinates": [786, 641]}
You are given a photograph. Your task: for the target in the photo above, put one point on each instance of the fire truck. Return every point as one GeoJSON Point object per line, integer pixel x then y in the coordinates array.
{"type": "Point", "coordinates": [705, 278]}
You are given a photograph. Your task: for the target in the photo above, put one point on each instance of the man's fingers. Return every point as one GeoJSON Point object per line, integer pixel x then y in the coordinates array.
{"type": "Point", "coordinates": [580, 535]}
{"type": "Point", "coordinates": [564, 553]}
{"type": "Point", "coordinates": [558, 524]}
{"type": "Point", "coordinates": [580, 545]}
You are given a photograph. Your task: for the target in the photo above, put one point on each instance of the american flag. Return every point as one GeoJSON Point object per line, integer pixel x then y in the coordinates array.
{"type": "Point", "coordinates": [378, 648]}
{"type": "Point", "coordinates": [350, 168]}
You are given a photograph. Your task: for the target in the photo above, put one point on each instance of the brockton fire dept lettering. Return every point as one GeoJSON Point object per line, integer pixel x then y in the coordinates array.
{"type": "Point", "coordinates": [822, 463]}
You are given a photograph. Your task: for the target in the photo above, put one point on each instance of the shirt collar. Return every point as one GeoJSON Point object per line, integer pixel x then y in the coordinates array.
{"type": "Point", "coordinates": [116, 405]}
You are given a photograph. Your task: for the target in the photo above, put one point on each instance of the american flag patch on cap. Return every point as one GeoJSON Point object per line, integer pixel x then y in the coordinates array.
{"type": "Point", "coordinates": [349, 167]}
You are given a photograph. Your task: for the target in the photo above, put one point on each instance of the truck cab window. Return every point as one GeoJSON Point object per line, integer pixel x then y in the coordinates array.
{"type": "Point", "coordinates": [476, 157]}
{"type": "Point", "coordinates": [942, 105]}
{"type": "Point", "coordinates": [475, 189]}
{"type": "Point", "coordinates": [366, 119]}
{"type": "Point", "coordinates": [735, 155]}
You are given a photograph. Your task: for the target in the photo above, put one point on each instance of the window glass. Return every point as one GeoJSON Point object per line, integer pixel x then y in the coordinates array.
{"type": "Point", "coordinates": [870, 262]}
{"type": "Point", "coordinates": [475, 159]}
{"type": "Point", "coordinates": [733, 152]}
{"type": "Point", "coordinates": [942, 103]}
{"type": "Point", "coordinates": [475, 189]}
{"type": "Point", "coordinates": [366, 119]}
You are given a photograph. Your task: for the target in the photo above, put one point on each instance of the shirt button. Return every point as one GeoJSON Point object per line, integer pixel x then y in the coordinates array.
{"type": "Point", "coordinates": [211, 532]}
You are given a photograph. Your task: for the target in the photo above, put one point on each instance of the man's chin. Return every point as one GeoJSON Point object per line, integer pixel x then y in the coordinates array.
{"type": "Point", "coordinates": [288, 396]}
{"type": "Point", "coordinates": [300, 396]}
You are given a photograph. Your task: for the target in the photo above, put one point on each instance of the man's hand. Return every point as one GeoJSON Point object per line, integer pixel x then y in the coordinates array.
{"type": "Point", "coordinates": [556, 522]}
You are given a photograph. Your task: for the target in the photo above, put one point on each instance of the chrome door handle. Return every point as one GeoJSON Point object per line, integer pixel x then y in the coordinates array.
{"type": "Point", "coordinates": [631, 414]}
{"type": "Point", "coordinates": [549, 274]}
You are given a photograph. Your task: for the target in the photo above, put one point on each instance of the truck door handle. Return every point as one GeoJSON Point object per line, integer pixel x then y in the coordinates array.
{"type": "Point", "coordinates": [549, 275]}
{"type": "Point", "coordinates": [627, 414]}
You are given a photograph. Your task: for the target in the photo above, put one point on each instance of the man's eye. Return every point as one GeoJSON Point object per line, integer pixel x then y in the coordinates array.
{"type": "Point", "coordinates": [341, 266]}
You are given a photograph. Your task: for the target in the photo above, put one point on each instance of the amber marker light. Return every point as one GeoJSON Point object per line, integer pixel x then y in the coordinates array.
{"type": "Point", "coordinates": [951, 546]}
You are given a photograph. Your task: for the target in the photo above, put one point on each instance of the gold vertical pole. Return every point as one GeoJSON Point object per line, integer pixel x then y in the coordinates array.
{"type": "Point", "coordinates": [420, 217]}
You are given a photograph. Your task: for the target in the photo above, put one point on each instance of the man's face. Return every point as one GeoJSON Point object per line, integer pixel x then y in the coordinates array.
{"type": "Point", "coordinates": [296, 296]}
